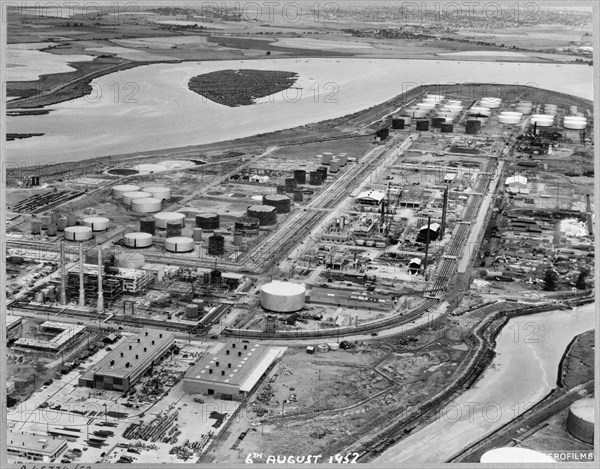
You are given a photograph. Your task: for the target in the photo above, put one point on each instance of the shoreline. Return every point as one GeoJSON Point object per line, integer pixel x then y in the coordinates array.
{"type": "Point", "coordinates": [313, 132]}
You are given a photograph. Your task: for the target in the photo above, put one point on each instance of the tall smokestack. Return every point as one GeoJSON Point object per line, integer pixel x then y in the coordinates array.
{"type": "Point", "coordinates": [426, 247]}
{"type": "Point", "coordinates": [100, 292]}
{"type": "Point", "coordinates": [63, 291]}
{"type": "Point", "coordinates": [81, 291]}
{"type": "Point", "coordinates": [444, 208]}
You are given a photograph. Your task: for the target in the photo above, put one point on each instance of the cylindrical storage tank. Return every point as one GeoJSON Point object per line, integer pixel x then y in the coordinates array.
{"type": "Point", "coordinates": [398, 123]}
{"type": "Point", "coordinates": [492, 103]}
{"type": "Point", "coordinates": [247, 224]}
{"type": "Point", "coordinates": [437, 122]}
{"type": "Point", "coordinates": [197, 234]}
{"type": "Point", "coordinates": [511, 118]}
{"type": "Point", "coordinates": [45, 221]}
{"type": "Point", "coordinates": [162, 219]}
{"type": "Point", "coordinates": [418, 113]}
{"type": "Point", "coordinates": [334, 166]}
{"type": "Point", "coordinates": [61, 224]}
{"type": "Point", "coordinates": [298, 196]}
{"type": "Point", "coordinates": [129, 197]}
{"type": "Point", "coordinates": [191, 311]}
{"type": "Point", "coordinates": [208, 221]}
{"type": "Point", "coordinates": [326, 158]}
{"type": "Point", "coordinates": [573, 109]}
{"type": "Point", "coordinates": [426, 106]}
{"type": "Point", "coordinates": [146, 205]}
{"type": "Point", "coordinates": [97, 223]}
{"type": "Point", "coordinates": [574, 123]}
{"type": "Point", "coordinates": [238, 239]}
{"type": "Point", "coordinates": [282, 297]}
{"type": "Point", "coordinates": [138, 240]}
{"type": "Point", "coordinates": [473, 127]}
{"type": "Point", "coordinates": [580, 420]}
{"type": "Point", "coordinates": [158, 192]}
{"type": "Point", "coordinates": [216, 245]}
{"type": "Point", "coordinates": [39, 296]}
{"type": "Point", "coordinates": [130, 260]}
{"type": "Point", "coordinates": [523, 109]}
{"type": "Point", "coordinates": [300, 176]}
{"type": "Point", "coordinates": [52, 229]}
{"type": "Point", "coordinates": [542, 120]}
{"type": "Point", "coordinates": [315, 178]}
{"type": "Point", "coordinates": [322, 348]}
{"type": "Point", "coordinates": [280, 189]}
{"type": "Point", "coordinates": [78, 233]}
{"type": "Point", "coordinates": [290, 184]}
{"type": "Point", "coordinates": [480, 110]}
{"type": "Point", "coordinates": [36, 227]}
{"type": "Point", "coordinates": [54, 215]}
{"type": "Point", "coordinates": [323, 171]}
{"type": "Point", "coordinates": [266, 214]}
{"type": "Point", "coordinates": [148, 225]}
{"type": "Point", "coordinates": [446, 128]}
{"type": "Point", "coordinates": [333, 346]}
{"type": "Point", "coordinates": [344, 158]}
{"type": "Point", "coordinates": [119, 190]}
{"type": "Point", "coordinates": [179, 244]}
{"type": "Point", "coordinates": [71, 220]}
{"type": "Point", "coordinates": [200, 303]}
{"type": "Point", "coordinates": [513, 454]}
{"type": "Point", "coordinates": [423, 125]}
{"type": "Point", "coordinates": [173, 229]}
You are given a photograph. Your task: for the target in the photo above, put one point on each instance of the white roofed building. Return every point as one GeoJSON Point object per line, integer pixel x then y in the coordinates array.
{"type": "Point", "coordinates": [515, 184]}
{"type": "Point", "coordinates": [371, 197]}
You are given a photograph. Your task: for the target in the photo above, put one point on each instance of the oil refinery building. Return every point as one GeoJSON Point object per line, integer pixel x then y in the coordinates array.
{"type": "Point", "coordinates": [52, 340]}
{"type": "Point", "coordinates": [128, 361]}
{"type": "Point", "coordinates": [232, 372]}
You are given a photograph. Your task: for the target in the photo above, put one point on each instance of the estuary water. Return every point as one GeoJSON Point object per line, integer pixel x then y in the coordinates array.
{"type": "Point", "coordinates": [150, 107]}
{"type": "Point", "coordinates": [524, 370]}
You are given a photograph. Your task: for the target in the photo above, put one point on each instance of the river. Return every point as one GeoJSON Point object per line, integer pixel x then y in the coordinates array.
{"type": "Point", "coordinates": [150, 107]}
{"type": "Point", "coordinates": [525, 369]}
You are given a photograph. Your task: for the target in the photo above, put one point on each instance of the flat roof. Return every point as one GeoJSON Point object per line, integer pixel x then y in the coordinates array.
{"type": "Point", "coordinates": [246, 369]}
{"type": "Point", "coordinates": [12, 321]}
{"type": "Point", "coordinates": [371, 195]}
{"type": "Point", "coordinates": [68, 332]}
{"type": "Point", "coordinates": [42, 445]}
{"type": "Point", "coordinates": [123, 272]}
{"type": "Point", "coordinates": [119, 368]}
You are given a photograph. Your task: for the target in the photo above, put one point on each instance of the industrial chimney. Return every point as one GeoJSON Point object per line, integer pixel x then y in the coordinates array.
{"type": "Point", "coordinates": [81, 290]}
{"type": "Point", "coordinates": [100, 292]}
{"type": "Point", "coordinates": [444, 209]}
{"type": "Point", "coordinates": [63, 292]}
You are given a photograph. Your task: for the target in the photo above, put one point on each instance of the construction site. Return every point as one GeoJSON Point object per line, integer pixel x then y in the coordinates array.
{"type": "Point", "coordinates": [438, 205]}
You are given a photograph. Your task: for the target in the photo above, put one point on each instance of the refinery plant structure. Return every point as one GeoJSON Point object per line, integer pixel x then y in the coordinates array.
{"type": "Point", "coordinates": [232, 283]}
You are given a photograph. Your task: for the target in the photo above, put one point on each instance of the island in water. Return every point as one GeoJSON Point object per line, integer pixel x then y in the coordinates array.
{"type": "Point", "coordinates": [241, 87]}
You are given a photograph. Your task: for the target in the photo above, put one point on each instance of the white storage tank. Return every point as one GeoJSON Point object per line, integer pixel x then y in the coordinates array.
{"type": "Point", "coordinates": [164, 218]}
{"type": "Point", "coordinates": [574, 123]}
{"type": "Point", "coordinates": [130, 260]}
{"type": "Point", "coordinates": [512, 454]}
{"type": "Point", "coordinates": [138, 240]}
{"type": "Point", "coordinates": [146, 205]}
{"type": "Point", "coordinates": [507, 117]}
{"type": "Point", "coordinates": [542, 120]}
{"type": "Point", "coordinates": [483, 110]}
{"type": "Point", "coordinates": [158, 192]}
{"type": "Point", "coordinates": [333, 346]}
{"type": "Point", "coordinates": [97, 223]}
{"type": "Point", "coordinates": [580, 420]}
{"type": "Point", "coordinates": [119, 190]}
{"type": "Point", "coordinates": [179, 244]}
{"type": "Point", "coordinates": [426, 106]}
{"type": "Point", "coordinates": [78, 233]}
{"type": "Point", "coordinates": [492, 103]}
{"type": "Point", "coordinates": [128, 197]}
{"type": "Point", "coordinates": [282, 297]}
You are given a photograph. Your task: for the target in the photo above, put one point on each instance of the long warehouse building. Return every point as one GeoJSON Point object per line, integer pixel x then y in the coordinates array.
{"type": "Point", "coordinates": [128, 361]}
{"type": "Point", "coordinates": [232, 372]}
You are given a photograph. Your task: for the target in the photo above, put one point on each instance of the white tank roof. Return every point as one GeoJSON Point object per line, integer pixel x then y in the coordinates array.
{"type": "Point", "coordinates": [138, 235]}
{"type": "Point", "coordinates": [283, 288]}
{"type": "Point", "coordinates": [514, 455]}
{"type": "Point", "coordinates": [584, 409]}
{"type": "Point", "coordinates": [169, 216]}
{"type": "Point", "coordinates": [96, 220]}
